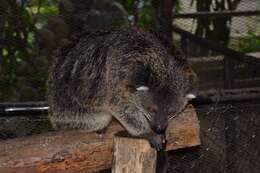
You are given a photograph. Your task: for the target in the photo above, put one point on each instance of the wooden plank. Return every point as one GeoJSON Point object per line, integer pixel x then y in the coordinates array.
{"type": "Point", "coordinates": [183, 131]}
{"type": "Point", "coordinates": [78, 151]}
{"type": "Point", "coordinates": [229, 95]}
{"type": "Point", "coordinates": [211, 45]}
{"type": "Point", "coordinates": [133, 156]}
{"type": "Point", "coordinates": [256, 54]}
{"type": "Point", "coordinates": [220, 14]}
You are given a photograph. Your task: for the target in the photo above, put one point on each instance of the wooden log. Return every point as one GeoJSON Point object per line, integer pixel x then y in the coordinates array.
{"type": "Point", "coordinates": [133, 156]}
{"type": "Point", "coordinates": [184, 130]}
{"type": "Point", "coordinates": [78, 151]}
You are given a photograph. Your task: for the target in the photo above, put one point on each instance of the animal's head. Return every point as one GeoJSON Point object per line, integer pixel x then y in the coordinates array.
{"type": "Point", "coordinates": [162, 90]}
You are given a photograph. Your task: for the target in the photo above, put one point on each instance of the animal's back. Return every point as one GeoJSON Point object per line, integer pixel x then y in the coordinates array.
{"type": "Point", "coordinates": [78, 78]}
{"type": "Point", "coordinates": [82, 75]}
{"type": "Point", "coordinates": [77, 75]}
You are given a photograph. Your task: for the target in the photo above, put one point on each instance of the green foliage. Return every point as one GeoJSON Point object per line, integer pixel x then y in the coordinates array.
{"type": "Point", "coordinates": [19, 25]}
{"type": "Point", "coordinates": [145, 14]}
{"type": "Point", "coordinates": [129, 5]}
{"type": "Point", "coordinates": [22, 59]}
{"type": "Point", "coordinates": [249, 43]}
{"type": "Point", "coordinates": [139, 10]}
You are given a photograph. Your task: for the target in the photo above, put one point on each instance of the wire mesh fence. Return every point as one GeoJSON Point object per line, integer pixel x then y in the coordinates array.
{"type": "Point", "coordinates": [215, 22]}
{"type": "Point", "coordinates": [217, 67]}
{"type": "Point", "coordinates": [229, 135]}
{"type": "Point", "coordinates": [229, 141]}
{"type": "Point", "coordinates": [235, 26]}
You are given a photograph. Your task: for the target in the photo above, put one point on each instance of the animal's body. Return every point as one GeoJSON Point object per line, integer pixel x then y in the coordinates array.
{"type": "Point", "coordinates": [128, 74]}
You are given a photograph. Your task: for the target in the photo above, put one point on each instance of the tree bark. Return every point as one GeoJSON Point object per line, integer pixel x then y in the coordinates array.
{"type": "Point", "coordinates": [162, 16]}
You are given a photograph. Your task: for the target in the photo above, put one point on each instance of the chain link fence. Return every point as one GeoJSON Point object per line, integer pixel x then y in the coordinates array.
{"type": "Point", "coordinates": [230, 144]}
{"type": "Point", "coordinates": [242, 24]}
{"type": "Point", "coordinates": [234, 27]}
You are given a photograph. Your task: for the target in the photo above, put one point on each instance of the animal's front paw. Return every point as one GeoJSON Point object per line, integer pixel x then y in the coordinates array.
{"type": "Point", "coordinates": [101, 132]}
{"type": "Point", "coordinates": [158, 141]}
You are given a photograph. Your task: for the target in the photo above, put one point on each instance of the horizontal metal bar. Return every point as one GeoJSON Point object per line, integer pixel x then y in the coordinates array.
{"type": "Point", "coordinates": [216, 14]}
{"type": "Point", "coordinates": [23, 109]}
{"type": "Point", "coordinates": [17, 109]}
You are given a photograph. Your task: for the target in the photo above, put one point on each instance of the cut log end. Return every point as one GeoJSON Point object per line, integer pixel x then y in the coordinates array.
{"type": "Point", "coordinates": [133, 156]}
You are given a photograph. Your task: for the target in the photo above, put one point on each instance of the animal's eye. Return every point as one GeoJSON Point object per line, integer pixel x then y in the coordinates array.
{"type": "Point", "coordinates": [142, 88]}
{"type": "Point", "coordinates": [152, 109]}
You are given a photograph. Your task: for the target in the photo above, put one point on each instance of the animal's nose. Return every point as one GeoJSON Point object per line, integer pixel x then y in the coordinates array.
{"type": "Point", "coordinates": [159, 129]}
{"type": "Point", "coordinates": [152, 109]}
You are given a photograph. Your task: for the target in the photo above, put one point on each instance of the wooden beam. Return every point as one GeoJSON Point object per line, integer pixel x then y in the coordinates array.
{"type": "Point", "coordinates": [219, 48]}
{"type": "Point", "coordinates": [133, 156]}
{"type": "Point", "coordinates": [220, 14]}
{"type": "Point", "coordinates": [78, 151]}
{"type": "Point", "coordinates": [227, 95]}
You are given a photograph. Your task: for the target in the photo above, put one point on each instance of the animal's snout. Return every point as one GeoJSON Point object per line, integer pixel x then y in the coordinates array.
{"type": "Point", "coordinates": [159, 122]}
{"type": "Point", "coordinates": [159, 129]}
{"type": "Point", "coordinates": [152, 109]}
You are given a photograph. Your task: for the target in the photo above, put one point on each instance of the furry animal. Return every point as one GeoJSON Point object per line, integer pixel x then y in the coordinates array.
{"type": "Point", "coordinates": [129, 74]}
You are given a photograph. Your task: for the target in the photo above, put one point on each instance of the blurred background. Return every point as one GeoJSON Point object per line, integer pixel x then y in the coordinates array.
{"type": "Point", "coordinates": [221, 39]}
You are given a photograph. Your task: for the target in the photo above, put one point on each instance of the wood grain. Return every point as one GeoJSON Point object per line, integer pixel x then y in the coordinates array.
{"type": "Point", "coordinates": [133, 156]}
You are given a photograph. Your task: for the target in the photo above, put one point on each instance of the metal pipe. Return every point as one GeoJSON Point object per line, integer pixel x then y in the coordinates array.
{"type": "Point", "coordinates": [23, 109]}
